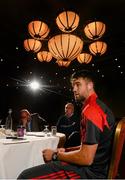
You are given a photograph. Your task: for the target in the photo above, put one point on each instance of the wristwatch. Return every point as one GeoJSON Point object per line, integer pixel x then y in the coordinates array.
{"type": "Point", "coordinates": [55, 157]}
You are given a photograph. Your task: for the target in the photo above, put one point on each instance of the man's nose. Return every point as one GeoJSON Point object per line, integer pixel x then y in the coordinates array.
{"type": "Point", "coordinates": [74, 88]}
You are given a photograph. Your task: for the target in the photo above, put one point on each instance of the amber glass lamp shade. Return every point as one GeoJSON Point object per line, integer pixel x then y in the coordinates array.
{"type": "Point", "coordinates": [32, 45]}
{"type": "Point", "coordinates": [38, 29]}
{"type": "Point", "coordinates": [65, 46]}
{"type": "Point", "coordinates": [62, 63]}
{"type": "Point", "coordinates": [98, 48]}
{"type": "Point", "coordinates": [84, 58]}
{"type": "Point", "coordinates": [67, 21]}
{"type": "Point", "coordinates": [95, 30]}
{"type": "Point", "coordinates": [44, 56]}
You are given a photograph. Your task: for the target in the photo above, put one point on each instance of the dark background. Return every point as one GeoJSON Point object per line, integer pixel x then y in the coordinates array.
{"type": "Point", "coordinates": [18, 67]}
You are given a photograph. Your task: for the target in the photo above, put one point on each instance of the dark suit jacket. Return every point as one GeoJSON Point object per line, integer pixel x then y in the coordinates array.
{"type": "Point", "coordinates": [36, 123]}
{"type": "Point", "coordinates": [68, 125]}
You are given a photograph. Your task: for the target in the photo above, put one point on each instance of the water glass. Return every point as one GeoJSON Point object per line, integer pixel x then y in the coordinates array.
{"type": "Point", "coordinates": [2, 128]}
{"type": "Point", "coordinates": [46, 130]}
{"type": "Point", "coordinates": [53, 130]}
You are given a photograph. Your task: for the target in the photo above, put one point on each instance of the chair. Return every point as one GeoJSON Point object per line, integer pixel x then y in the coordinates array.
{"type": "Point", "coordinates": [118, 142]}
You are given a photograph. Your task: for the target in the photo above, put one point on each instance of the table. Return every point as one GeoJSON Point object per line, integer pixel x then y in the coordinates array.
{"type": "Point", "coordinates": [17, 155]}
{"type": "Point", "coordinates": [62, 139]}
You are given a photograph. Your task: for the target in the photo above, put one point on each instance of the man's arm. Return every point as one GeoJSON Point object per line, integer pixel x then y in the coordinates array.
{"type": "Point", "coordinates": [41, 122]}
{"type": "Point", "coordinates": [72, 148]}
{"type": "Point", "coordinates": [41, 119]}
{"type": "Point", "coordinates": [84, 156]}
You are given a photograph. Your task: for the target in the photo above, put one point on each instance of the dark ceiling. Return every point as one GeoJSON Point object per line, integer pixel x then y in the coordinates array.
{"type": "Point", "coordinates": [18, 66]}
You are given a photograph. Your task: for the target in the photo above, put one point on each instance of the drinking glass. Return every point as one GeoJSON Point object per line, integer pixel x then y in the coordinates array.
{"type": "Point", "coordinates": [2, 128]}
{"type": "Point", "coordinates": [20, 131]}
{"type": "Point", "coordinates": [46, 130]}
{"type": "Point", "coordinates": [53, 130]}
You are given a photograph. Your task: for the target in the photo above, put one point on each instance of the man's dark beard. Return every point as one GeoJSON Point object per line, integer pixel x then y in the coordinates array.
{"type": "Point", "coordinates": [80, 100]}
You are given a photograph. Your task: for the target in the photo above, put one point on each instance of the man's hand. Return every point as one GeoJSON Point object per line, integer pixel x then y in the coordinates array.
{"type": "Point", "coordinates": [47, 154]}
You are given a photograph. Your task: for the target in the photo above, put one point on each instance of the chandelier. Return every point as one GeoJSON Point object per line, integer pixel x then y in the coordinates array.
{"type": "Point", "coordinates": [65, 47]}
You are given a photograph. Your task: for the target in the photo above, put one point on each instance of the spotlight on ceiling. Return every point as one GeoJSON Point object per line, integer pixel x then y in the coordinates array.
{"type": "Point", "coordinates": [34, 85]}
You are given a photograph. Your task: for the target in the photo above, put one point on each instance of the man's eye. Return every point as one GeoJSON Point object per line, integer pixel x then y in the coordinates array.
{"type": "Point", "coordinates": [78, 84]}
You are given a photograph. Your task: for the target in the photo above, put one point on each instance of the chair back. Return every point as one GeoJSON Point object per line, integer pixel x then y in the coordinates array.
{"type": "Point", "coordinates": [118, 142]}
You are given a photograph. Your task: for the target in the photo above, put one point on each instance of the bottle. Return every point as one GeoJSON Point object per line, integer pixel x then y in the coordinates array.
{"type": "Point", "coordinates": [8, 123]}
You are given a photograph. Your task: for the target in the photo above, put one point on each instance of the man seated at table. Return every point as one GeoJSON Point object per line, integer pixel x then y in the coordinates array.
{"type": "Point", "coordinates": [91, 159]}
{"type": "Point", "coordinates": [32, 122]}
{"type": "Point", "coordinates": [69, 124]}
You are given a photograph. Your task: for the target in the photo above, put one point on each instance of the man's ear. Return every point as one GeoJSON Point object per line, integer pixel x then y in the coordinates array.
{"type": "Point", "coordinates": [90, 85]}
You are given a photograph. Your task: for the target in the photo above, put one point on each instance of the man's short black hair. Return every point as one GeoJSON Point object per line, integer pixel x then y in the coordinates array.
{"type": "Point", "coordinates": [85, 74]}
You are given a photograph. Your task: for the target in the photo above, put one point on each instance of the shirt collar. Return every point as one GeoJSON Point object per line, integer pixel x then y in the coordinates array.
{"type": "Point", "coordinates": [90, 99]}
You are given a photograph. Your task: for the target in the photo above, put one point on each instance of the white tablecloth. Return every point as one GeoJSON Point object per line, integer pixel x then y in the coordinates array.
{"type": "Point", "coordinates": [17, 155]}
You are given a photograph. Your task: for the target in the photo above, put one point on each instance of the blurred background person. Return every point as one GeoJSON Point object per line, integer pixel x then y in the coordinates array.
{"type": "Point", "coordinates": [69, 124]}
{"type": "Point", "coordinates": [32, 122]}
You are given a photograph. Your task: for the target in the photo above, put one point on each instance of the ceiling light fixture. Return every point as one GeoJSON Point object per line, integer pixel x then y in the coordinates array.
{"type": "Point", "coordinates": [32, 45]}
{"type": "Point", "coordinates": [67, 21]}
{"type": "Point", "coordinates": [95, 30]}
{"type": "Point", "coordinates": [44, 56]}
{"type": "Point", "coordinates": [34, 85]}
{"type": "Point", "coordinates": [62, 63]}
{"type": "Point", "coordinates": [38, 29]}
{"type": "Point", "coordinates": [84, 58]}
{"type": "Point", "coordinates": [65, 47]}
{"type": "Point", "coordinates": [98, 48]}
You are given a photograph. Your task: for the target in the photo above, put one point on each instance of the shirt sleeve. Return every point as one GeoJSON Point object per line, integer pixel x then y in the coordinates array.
{"type": "Point", "coordinates": [91, 134]}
